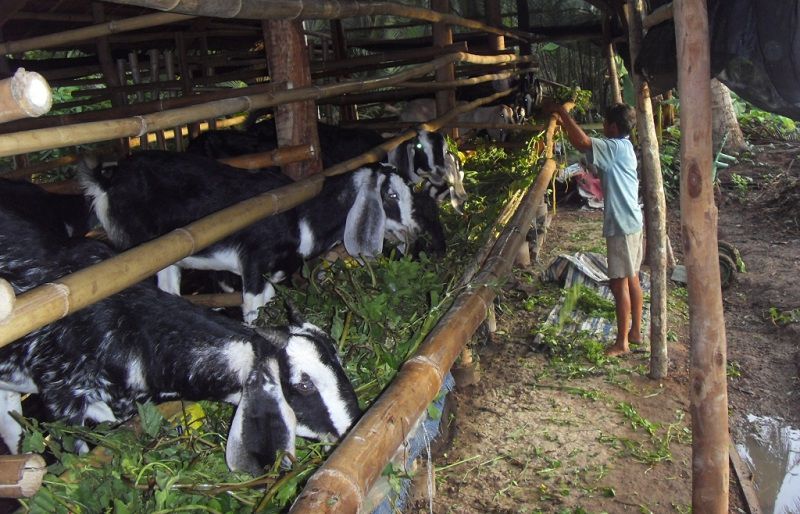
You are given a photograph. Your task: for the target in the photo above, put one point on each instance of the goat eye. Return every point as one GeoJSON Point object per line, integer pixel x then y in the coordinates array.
{"type": "Point", "coordinates": [305, 387]}
{"type": "Point", "coordinates": [391, 195]}
{"type": "Point", "coordinates": [419, 146]}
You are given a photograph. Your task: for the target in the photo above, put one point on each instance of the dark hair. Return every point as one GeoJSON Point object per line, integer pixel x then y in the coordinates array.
{"type": "Point", "coordinates": [623, 116]}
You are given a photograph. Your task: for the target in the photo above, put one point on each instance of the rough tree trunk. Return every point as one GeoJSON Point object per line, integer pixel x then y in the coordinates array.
{"type": "Point", "coordinates": [723, 120]}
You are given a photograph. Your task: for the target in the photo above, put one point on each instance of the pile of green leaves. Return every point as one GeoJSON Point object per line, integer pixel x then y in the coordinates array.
{"type": "Point", "coordinates": [761, 126]}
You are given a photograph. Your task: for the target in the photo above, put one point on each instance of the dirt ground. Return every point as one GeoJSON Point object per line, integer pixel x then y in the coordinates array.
{"type": "Point", "coordinates": [527, 438]}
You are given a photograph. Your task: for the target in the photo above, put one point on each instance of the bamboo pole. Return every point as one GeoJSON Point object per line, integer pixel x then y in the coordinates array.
{"type": "Point", "coordinates": [160, 105]}
{"type": "Point", "coordinates": [25, 94]}
{"type": "Point", "coordinates": [21, 475]}
{"type": "Point", "coordinates": [41, 139]}
{"type": "Point", "coordinates": [279, 157]}
{"type": "Point", "coordinates": [87, 33]}
{"type": "Point", "coordinates": [342, 483]}
{"type": "Point", "coordinates": [655, 203]}
{"type": "Point", "coordinates": [50, 302]}
{"type": "Point", "coordinates": [311, 9]}
{"type": "Point", "coordinates": [708, 388]}
{"type": "Point", "coordinates": [613, 75]}
{"type": "Point", "coordinates": [216, 300]}
{"type": "Point", "coordinates": [345, 65]}
{"type": "Point", "coordinates": [659, 15]}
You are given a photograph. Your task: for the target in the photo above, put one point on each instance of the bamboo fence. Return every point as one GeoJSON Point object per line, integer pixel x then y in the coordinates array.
{"type": "Point", "coordinates": [92, 132]}
{"type": "Point", "coordinates": [25, 94]}
{"type": "Point", "coordinates": [341, 484]}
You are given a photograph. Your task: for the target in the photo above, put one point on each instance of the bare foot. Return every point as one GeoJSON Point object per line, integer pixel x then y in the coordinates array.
{"type": "Point", "coordinates": [617, 349]}
{"type": "Point", "coordinates": [635, 338]}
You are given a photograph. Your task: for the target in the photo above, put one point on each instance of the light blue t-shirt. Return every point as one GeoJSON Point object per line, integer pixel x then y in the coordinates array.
{"type": "Point", "coordinates": [615, 161]}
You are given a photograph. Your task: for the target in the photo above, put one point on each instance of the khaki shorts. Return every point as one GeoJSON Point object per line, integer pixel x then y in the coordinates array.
{"type": "Point", "coordinates": [624, 255]}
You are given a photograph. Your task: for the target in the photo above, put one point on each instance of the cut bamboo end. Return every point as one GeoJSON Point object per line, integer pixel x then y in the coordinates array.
{"type": "Point", "coordinates": [26, 94]}
{"type": "Point", "coordinates": [21, 475]}
{"type": "Point", "coordinates": [7, 299]}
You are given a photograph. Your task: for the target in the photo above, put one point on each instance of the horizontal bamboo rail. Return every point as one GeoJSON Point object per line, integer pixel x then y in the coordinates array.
{"type": "Point", "coordinates": [50, 302]}
{"type": "Point", "coordinates": [313, 9]}
{"type": "Point", "coordinates": [87, 33]}
{"type": "Point", "coordinates": [25, 94]}
{"type": "Point", "coordinates": [279, 157]}
{"type": "Point", "coordinates": [341, 484]}
{"type": "Point", "coordinates": [41, 139]}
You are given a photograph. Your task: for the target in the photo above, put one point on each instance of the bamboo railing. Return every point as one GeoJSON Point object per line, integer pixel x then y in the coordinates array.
{"type": "Point", "coordinates": [342, 483]}
{"type": "Point", "coordinates": [41, 139]}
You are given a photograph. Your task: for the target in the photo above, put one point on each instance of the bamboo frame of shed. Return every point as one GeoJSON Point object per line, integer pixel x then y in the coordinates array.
{"type": "Point", "coordinates": [341, 484]}
{"type": "Point", "coordinates": [92, 132]}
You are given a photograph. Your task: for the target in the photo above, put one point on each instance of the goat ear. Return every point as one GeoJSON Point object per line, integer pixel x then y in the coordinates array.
{"type": "Point", "coordinates": [263, 426]}
{"type": "Point", "coordinates": [278, 338]}
{"type": "Point", "coordinates": [366, 221]}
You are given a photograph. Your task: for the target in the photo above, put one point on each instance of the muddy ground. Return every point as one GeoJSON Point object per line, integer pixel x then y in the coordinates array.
{"type": "Point", "coordinates": [536, 436]}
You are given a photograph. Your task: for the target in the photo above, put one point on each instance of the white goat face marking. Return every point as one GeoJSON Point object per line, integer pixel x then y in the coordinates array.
{"type": "Point", "coordinates": [252, 302]}
{"type": "Point", "coordinates": [406, 228]}
{"type": "Point", "coordinates": [303, 357]}
{"type": "Point", "coordinates": [307, 241]}
{"type": "Point", "coordinates": [240, 356]}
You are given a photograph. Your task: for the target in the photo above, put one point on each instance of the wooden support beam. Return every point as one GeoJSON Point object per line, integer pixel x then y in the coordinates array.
{"type": "Point", "coordinates": [494, 17]}
{"type": "Point", "coordinates": [347, 112]}
{"type": "Point", "coordinates": [312, 9]}
{"type": "Point", "coordinates": [110, 76]}
{"type": "Point", "coordinates": [707, 386]}
{"type": "Point", "coordinates": [613, 75]}
{"type": "Point", "coordinates": [655, 203]}
{"type": "Point", "coordinates": [89, 33]}
{"type": "Point", "coordinates": [296, 122]}
{"type": "Point", "coordinates": [442, 38]}
{"type": "Point", "coordinates": [659, 15]}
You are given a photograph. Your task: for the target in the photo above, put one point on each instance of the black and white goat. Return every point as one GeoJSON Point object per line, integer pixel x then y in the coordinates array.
{"type": "Point", "coordinates": [421, 160]}
{"type": "Point", "coordinates": [143, 344]}
{"type": "Point", "coordinates": [154, 192]}
{"type": "Point", "coordinates": [65, 214]}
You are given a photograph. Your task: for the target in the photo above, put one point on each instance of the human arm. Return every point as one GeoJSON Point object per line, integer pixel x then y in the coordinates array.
{"type": "Point", "coordinates": [575, 134]}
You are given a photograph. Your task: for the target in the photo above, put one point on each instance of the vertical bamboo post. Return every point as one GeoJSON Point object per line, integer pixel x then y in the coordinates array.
{"type": "Point", "coordinates": [136, 77]}
{"type": "Point", "coordinates": [524, 24]}
{"type": "Point", "coordinates": [443, 36]}
{"type": "Point", "coordinates": [169, 66]}
{"type": "Point", "coordinates": [613, 75]}
{"type": "Point", "coordinates": [110, 73]}
{"type": "Point", "coordinates": [347, 112]}
{"type": "Point", "coordinates": [494, 17]}
{"type": "Point", "coordinates": [655, 203]}
{"type": "Point", "coordinates": [208, 71]}
{"type": "Point", "coordinates": [296, 122]}
{"type": "Point", "coordinates": [181, 46]}
{"type": "Point", "coordinates": [708, 389]}
{"type": "Point", "coordinates": [153, 56]}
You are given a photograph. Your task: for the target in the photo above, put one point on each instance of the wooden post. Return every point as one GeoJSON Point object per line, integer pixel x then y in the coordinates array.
{"type": "Point", "coordinates": [181, 47]}
{"type": "Point", "coordinates": [110, 73]}
{"type": "Point", "coordinates": [25, 94]}
{"type": "Point", "coordinates": [296, 122]}
{"type": "Point", "coordinates": [169, 66]}
{"type": "Point", "coordinates": [708, 389]}
{"type": "Point", "coordinates": [524, 24]}
{"type": "Point", "coordinates": [443, 36]}
{"type": "Point", "coordinates": [655, 203]}
{"type": "Point", "coordinates": [347, 112]}
{"type": "Point", "coordinates": [494, 17]}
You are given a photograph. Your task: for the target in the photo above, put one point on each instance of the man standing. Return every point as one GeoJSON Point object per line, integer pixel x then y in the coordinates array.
{"type": "Point", "coordinates": [614, 158]}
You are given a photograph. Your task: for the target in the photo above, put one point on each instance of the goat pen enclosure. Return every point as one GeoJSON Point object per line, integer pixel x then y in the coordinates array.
{"type": "Point", "coordinates": [125, 76]}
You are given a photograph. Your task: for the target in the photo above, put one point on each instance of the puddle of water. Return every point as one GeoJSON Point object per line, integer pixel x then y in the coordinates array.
{"type": "Point", "coordinates": [772, 450]}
